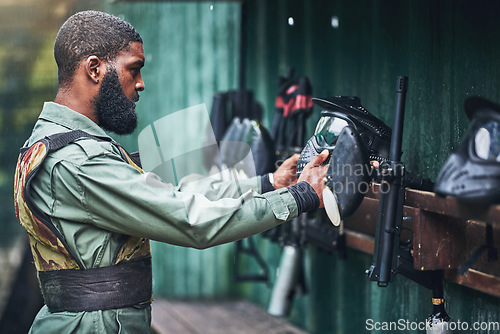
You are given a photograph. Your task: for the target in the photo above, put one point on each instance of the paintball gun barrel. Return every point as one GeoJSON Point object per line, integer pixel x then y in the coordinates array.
{"type": "Point", "coordinates": [390, 205]}
{"type": "Point", "coordinates": [391, 256]}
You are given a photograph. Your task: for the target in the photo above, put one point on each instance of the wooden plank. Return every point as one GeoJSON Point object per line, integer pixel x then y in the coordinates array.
{"type": "Point", "coordinates": [476, 280]}
{"type": "Point", "coordinates": [360, 241]}
{"type": "Point", "coordinates": [215, 317]}
{"type": "Point", "coordinates": [258, 319]}
{"type": "Point", "coordinates": [445, 242]}
{"type": "Point", "coordinates": [445, 234]}
{"type": "Point", "coordinates": [448, 206]}
{"type": "Point", "coordinates": [364, 219]}
{"type": "Point", "coordinates": [205, 319]}
{"type": "Point", "coordinates": [439, 242]}
{"type": "Point", "coordinates": [476, 237]}
{"type": "Point", "coordinates": [166, 321]}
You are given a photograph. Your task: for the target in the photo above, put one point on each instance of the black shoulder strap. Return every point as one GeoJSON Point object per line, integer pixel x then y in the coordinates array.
{"type": "Point", "coordinates": [59, 140]}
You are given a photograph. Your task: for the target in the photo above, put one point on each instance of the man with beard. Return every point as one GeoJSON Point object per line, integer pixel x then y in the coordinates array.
{"type": "Point", "coordinates": [87, 206]}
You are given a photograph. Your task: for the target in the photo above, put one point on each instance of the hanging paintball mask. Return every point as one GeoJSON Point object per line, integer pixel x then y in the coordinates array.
{"type": "Point", "coordinates": [354, 137]}
{"type": "Point", "coordinates": [472, 172]}
{"type": "Point", "coordinates": [236, 124]}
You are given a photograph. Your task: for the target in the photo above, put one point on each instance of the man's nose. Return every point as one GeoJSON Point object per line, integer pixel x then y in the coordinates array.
{"type": "Point", "coordinates": [139, 86]}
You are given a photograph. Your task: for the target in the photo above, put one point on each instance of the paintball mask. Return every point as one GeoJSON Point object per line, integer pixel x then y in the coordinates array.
{"type": "Point", "coordinates": [472, 172]}
{"type": "Point", "coordinates": [347, 178]}
{"type": "Point", "coordinates": [339, 112]}
{"type": "Point", "coordinates": [354, 137]}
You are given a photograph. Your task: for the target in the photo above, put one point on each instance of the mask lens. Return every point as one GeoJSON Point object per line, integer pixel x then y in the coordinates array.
{"type": "Point", "coordinates": [487, 141]}
{"type": "Point", "coordinates": [328, 130]}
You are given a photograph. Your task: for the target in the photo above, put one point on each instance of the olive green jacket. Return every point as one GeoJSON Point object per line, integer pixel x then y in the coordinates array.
{"type": "Point", "coordinates": [94, 197]}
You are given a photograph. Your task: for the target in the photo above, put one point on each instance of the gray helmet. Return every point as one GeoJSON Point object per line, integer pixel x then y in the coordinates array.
{"type": "Point", "coordinates": [472, 172]}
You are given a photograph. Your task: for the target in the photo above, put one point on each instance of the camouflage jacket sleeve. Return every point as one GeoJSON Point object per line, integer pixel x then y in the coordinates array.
{"type": "Point", "coordinates": [102, 191]}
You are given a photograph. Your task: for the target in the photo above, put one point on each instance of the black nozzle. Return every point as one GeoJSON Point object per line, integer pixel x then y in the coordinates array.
{"type": "Point", "coordinates": [402, 84]}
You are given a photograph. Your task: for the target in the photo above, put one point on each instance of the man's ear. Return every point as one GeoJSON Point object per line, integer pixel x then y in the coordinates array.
{"type": "Point", "coordinates": [93, 68]}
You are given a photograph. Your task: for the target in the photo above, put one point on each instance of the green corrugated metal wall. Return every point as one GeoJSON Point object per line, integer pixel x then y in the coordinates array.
{"type": "Point", "coordinates": [449, 50]}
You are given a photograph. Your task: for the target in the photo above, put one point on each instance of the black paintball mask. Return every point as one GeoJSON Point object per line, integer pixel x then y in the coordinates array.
{"type": "Point", "coordinates": [472, 172]}
{"type": "Point", "coordinates": [339, 112]}
{"type": "Point", "coordinates": [353, 136]}
{"type": "Point", "coordinates": [347, 179]}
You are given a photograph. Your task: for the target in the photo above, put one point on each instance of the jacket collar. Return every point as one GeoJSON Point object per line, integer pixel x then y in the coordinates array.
{"type": "Point", "coordinates": [70, 119]}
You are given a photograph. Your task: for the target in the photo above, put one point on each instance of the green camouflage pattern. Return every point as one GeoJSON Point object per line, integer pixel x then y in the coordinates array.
{"type": "Point", "coordinates": [49, 252]}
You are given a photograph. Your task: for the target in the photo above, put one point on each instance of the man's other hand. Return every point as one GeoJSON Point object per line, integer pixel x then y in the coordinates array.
{"type": "Point", "coordinates": [286, 174]}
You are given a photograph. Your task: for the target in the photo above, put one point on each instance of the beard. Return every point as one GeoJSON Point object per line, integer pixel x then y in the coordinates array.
{"type": "Point", "coordinates": [115, 112]}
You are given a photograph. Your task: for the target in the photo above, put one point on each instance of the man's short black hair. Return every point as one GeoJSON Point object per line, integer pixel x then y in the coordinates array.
{"type": "Point", "coordinates": [90, 33]}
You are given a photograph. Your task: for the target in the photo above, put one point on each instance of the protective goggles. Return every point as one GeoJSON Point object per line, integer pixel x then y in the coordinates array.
{"type": "Point", "coordinates": [486, 134]}
{"type": "Point", "coordinates": [331, 124]}
{"type": "Point", "coordinates": [329, 127]}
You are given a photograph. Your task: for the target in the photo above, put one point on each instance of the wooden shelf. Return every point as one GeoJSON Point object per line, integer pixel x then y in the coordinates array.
{"type": "Point", "coordinates": [430, 202]}
{"type": "Point", "coordinates": [445, 233]}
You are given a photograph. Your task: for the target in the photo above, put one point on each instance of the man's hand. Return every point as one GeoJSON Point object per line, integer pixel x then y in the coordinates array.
{"type": "Point", "coordinates": [286, 174]}
{"type": "Point", "coordinates": [314, 174]}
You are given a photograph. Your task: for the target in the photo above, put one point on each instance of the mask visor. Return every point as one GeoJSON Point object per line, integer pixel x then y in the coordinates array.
{"type": "Point", "coordinates": [328, 130]}
{"type": "Point", "coordinates": [487, 140]}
